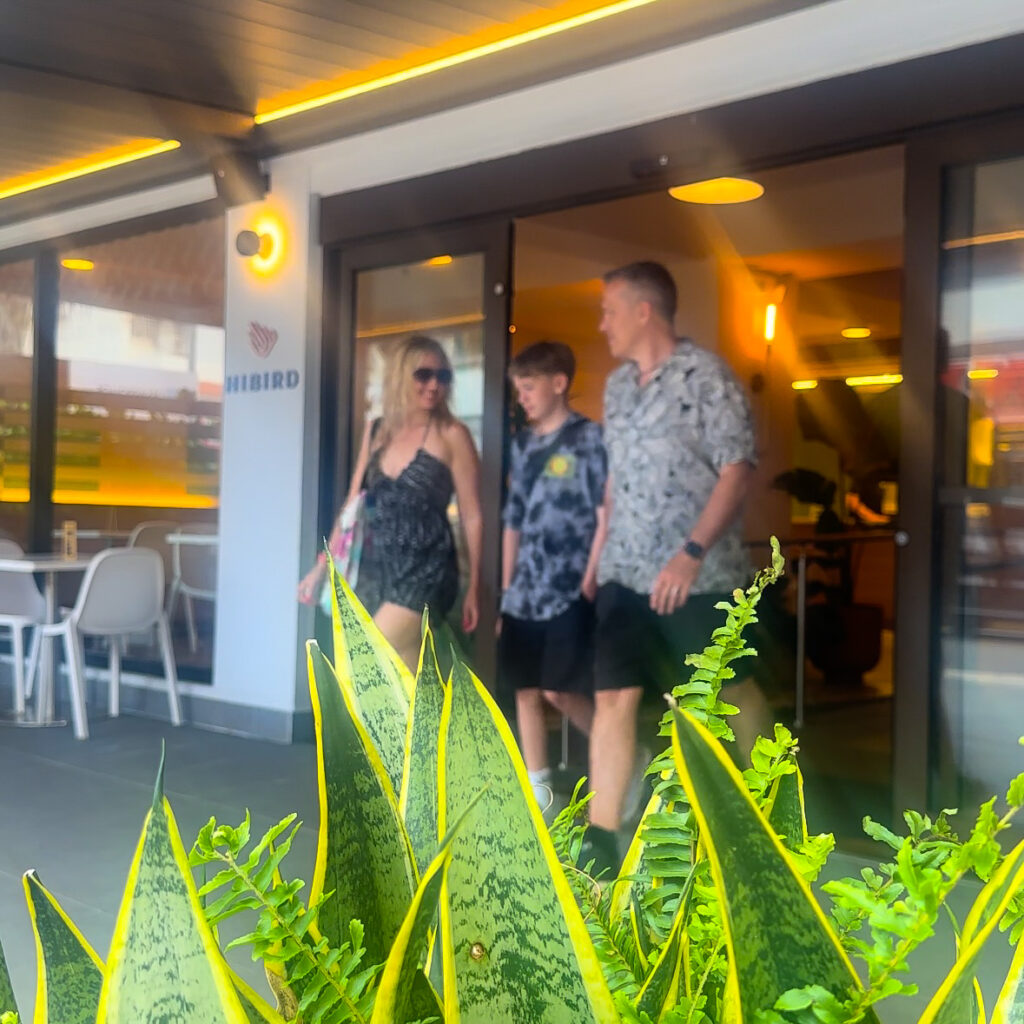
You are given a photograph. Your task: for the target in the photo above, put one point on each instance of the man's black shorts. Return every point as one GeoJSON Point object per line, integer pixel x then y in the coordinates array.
{"type": "Point", "coordinates": [635, 646]}
{"type": "Point", "coordinates": [556, 654]}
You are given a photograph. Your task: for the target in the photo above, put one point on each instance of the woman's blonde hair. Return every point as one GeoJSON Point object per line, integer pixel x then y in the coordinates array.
{"type": "Point", "coordinates": [398, 383]}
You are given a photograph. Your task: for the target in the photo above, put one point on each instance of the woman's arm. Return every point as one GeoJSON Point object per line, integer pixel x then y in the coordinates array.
{"type": "Point", "coordinates": [466, 475]}
{"type": "Point", "coordinates": [310, 583]}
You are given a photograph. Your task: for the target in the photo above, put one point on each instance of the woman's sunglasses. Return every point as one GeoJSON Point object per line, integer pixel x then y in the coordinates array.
{"type": "Point", "coordinates": [425, 374]}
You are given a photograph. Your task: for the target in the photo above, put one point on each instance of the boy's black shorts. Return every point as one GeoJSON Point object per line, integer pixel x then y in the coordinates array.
{"type": "Point", "coordinates": [635, 646]}
{"type": "Point", "coordinates": [556, 654]}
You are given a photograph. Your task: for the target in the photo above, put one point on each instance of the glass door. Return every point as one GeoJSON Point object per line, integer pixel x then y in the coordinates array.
{"type": "Point", "coordinates": [979, 515]}
{"type": "Point", "coordinates": [452, 286]}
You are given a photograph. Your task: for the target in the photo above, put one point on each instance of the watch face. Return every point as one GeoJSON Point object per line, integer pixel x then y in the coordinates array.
{"type": "Point", "coordinates": [693, 549]}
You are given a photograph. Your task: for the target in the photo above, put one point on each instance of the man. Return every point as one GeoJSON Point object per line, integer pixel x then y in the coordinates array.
{"type": "Point", "coordinates": [681, 453]}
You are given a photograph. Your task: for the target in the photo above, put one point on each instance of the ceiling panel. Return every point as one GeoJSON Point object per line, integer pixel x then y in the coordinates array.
{"type": "Point", "coordinates": [77, 78]}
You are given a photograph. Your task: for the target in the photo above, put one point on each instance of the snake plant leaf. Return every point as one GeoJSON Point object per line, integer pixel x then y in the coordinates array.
{"type": "Point", "coordinates": [954, 1002]}
{"type": "Point", "coordinates": [401, 994]}
{"type": "Point", "coordinates": [164, 964]}
{"type": "Point", "coordinates": [417, 801]}
{"type": "Point", "coordinates": [786, 811]}
{"type": "Point", "coordinates": [777, 934]}
{"type": "Point", "coordinates": [374, 676]}
{"type": "Point", "coordinates": [257, 1009]}
{"type": "Point", "coordinates": [1009, 1008]}
{"type": "Point", "coordinates": [660, 992]}
{"type": "Point", "coordinates": [363, 854]}
{"type": "Point", "coordinates": [626, 886]}
{"type": "Point", "coordinates": [514, 944]}
{"type": "Point", "coordinates": [69, 974]}
{"type": "Point", "coordinates": [8, 1004]}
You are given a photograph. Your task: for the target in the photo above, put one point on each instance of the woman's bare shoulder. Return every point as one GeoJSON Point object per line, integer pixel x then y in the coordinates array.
{"type": "Point", "coordinates": [456, 435]}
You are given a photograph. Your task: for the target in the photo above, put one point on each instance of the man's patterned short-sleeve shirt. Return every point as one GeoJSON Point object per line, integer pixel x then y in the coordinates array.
{"type": "Point", "coordinates": [666, 442]}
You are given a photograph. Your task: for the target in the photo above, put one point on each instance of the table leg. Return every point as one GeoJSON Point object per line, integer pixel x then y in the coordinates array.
{"type": "Point", "coordinates": [44, 688]}
{"type": "Point", "coordinates": [801, 637]}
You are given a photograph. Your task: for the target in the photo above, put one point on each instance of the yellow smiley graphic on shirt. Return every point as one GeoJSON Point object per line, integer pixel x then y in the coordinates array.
{"type": "Point", "coordinates": [560, 465]}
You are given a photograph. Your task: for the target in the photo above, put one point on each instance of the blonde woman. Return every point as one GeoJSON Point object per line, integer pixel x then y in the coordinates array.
{"type": "Point", "coordinates": [410, 462]}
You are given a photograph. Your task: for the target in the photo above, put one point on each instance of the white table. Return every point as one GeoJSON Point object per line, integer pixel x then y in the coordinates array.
{"type": "Point", "coordinates": [113, 536]}
{"type": "Point", "coordinates": [199, 539]}
{"type": "Point", "coordinates": [48, 565]}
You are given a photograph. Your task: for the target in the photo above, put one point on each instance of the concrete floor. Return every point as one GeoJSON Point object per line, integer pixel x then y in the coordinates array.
{"type": "Point", "coordinates": [73, 810]}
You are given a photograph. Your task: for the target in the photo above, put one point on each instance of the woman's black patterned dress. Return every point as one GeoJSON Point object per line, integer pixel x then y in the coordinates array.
{"type": "Point", "coordinates": [409, 559]}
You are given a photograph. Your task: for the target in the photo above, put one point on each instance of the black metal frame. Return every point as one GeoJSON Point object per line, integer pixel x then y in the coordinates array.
{"type": "Point", "coordinates": [916, 716]}
{"type": "Point", "coordinates": [492, 238]}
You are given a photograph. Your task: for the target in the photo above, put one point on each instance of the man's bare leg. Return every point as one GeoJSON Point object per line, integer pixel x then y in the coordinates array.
{"type": "Point", "coordinates": [612, 753]}
{"type": "Point", "coordinates": [576, 706]}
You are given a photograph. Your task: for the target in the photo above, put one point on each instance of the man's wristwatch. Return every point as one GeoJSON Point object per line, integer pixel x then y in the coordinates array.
{"type": "Point", "coordinates": [693, 549]}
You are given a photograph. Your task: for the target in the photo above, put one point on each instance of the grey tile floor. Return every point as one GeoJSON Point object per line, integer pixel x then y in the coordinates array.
{"type": "Point", "coordinates": [73, 811]}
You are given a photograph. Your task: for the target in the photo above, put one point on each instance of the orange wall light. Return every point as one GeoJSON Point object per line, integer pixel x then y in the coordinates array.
{"type": "Point", "coordinates": [271, 251]}
{"type": "Point", "coordinates": [126, 154]}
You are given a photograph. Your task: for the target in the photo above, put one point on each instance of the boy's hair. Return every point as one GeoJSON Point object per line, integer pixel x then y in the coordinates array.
{"type": "Point", "coordinates": [653, 282]}
{"type": "Point", "coordinates": [543, 359]}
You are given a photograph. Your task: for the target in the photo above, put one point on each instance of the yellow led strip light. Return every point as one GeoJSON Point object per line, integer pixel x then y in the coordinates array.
{"type": "Point", "coordinates": [452, 60]}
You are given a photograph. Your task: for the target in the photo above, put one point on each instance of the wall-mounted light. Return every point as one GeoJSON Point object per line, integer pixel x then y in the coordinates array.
{"type": "Point", "coordinates": [75, 263]}
{"type": "Point", "coordinates": [771, 312]}
{"type": "Point", "coordinates": [718, 191]}
{"type": "Point", "coordinates": [263, 244]}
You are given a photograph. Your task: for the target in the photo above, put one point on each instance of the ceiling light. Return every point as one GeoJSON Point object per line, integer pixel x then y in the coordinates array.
{"type": "Point", "coordinates": [804, 385]}
{"type": "Point", "coordinates": [73, 263]}
{"type": "Point", "coordinates": [856, 332]}
{"type": "Point", "coordinates": [873, 379]}
{"type": "Point", "coordinates": [983, 373]}
{"type": "Point", "coordinates": [439, 261]}
{"type": "Point", "coordinates": [79, 168]}
{"type": "Point", "coordinates": [452, 60]}
{"type": "Point", "coordinates": [718, 191]}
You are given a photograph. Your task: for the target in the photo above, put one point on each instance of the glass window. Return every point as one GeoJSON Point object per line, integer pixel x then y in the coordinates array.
{"type": "Point", "coordinates": [981, 493]}
{"type": "Point", "coordinates": [140, 374]}
{"type": "Point", "coordinates": [16, 348]}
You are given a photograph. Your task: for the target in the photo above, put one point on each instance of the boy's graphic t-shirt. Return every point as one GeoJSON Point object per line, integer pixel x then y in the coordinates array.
{"type": "Point", "coordinates": [556, 485]}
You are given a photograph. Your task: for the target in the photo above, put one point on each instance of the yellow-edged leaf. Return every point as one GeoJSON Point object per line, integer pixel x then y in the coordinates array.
{"type": "Point", "coordinates": [363, 854]}
{"type": "Point", "coordinates": [1009, 1008]}
{"type": "Point", "coordinates": [257, 1009]}
{"type": "Point", "coordinates": [624, 885]}
{"type": "Point", "coordinates": [69, 974]}
{"type": "Point", "coordinates": [953, 1003]}
{"type": "Point", "coordinates": [515, 947]}
{"type": "Point", "coordinates": [660, 992]}
{"type": "Point", "coordinates": [786, 812]}
{"type": "Point", "coordinates": [8, 1004]}
{"type": "Point", "coordinates": [373, 675]}
{"type": "Point", "coordinates": [164, 964]}
{"type": "Point", "coordinates": [417, 801]}
{"type": "Point", "coordinates": [777, 934]}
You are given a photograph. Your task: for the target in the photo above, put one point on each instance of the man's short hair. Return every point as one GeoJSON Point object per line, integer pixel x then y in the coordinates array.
{"type": "Point", "coordinates": [543, 359]}
{"type": "Point", "coordinates": [653, 282]}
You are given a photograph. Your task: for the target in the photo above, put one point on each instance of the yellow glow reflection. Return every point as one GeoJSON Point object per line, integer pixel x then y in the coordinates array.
{"type": "Point", "coordinates": [73, 263]}
{"type": "Point", "coordinates": [439, 261]}
{"type": "Point", "coordinates": [983, 373]}
{"type": "Point", "coordinates": [771, 311]}
{"type": "Point", "coordinates": [271, 254]}
{"type": "Point", "coordinates": [804, 385]}
{"type": "Point", "coordinates": [856, 332]}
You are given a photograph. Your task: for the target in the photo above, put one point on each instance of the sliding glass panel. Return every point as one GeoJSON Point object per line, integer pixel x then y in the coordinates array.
{"type": "Point", "coordinates": [981, 495]}
{"type": "Point", "coordinates": [140, 372]}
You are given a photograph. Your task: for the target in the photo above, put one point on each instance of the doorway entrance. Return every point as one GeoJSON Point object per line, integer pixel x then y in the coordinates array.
{"type": "Point", "coordinates": [800, 291]}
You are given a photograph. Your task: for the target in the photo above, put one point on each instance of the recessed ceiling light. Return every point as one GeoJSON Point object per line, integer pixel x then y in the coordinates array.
{"type": "Point", "coordinates": [856, 332]}
{"type": "Point", "coordinates": [718, 191]}
{"type": "Point", "coordinates": [73, 263]}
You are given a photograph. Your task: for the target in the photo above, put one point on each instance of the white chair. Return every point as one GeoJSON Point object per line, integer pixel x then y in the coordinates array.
{"type": "Point", "coordinates": [152, 533]}
{"type": "Point", "coordinates": [21, 606]}
{"type": "Point", "coordinates": [122, 593]}
{"type": "Point", "coordinates": [195, 575]}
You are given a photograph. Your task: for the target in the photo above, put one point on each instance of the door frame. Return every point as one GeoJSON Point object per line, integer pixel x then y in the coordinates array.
{"type": "Point", "coordinates": [494, 239]}
{"type": "Point", "coordinates": [916, 710]}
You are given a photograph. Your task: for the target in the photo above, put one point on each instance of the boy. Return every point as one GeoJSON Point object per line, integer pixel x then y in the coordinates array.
{"type": "Point", "coordinates": [554, 525]}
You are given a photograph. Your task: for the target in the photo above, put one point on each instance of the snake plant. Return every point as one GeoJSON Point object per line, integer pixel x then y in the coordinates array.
{"type": "Point", "coordinates": [439, 894]}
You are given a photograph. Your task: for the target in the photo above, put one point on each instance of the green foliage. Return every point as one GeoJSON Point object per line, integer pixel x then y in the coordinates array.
{"type": "Point", "coordinates": [331, 985]}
